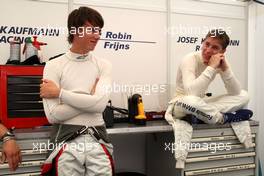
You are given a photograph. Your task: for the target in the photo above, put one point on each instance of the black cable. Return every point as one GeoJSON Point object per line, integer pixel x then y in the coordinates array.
{"type": "Point", "coordinates": [120, 110]}
{"type": "Point", "coordinates": [260, 2]}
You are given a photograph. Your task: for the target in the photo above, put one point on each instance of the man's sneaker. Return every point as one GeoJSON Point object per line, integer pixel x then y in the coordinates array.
{"type": "Point", "coordinates": [244, 112]}
{"type": "Point", "coordinates": [237, 116]}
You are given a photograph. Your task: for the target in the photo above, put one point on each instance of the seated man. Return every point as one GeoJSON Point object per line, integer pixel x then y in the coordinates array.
{"type": "Point", "coordinates": [194, 76]}
{"type": "Point", "coordinates": [10, 151]}
{"type": "Point", "coordinates": [196, 72]}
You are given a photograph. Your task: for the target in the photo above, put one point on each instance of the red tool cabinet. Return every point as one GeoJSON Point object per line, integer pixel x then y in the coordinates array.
{"type": "Point", "coordinates": [20, 104]}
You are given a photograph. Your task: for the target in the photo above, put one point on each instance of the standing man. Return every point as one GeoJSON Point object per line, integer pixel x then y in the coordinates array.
{"type": "Point", "coordinates": [195, 74]}
{"type": "Point", "coordinates": [74, 92]}
{"type": "Point", "coordinates": [10, 152]}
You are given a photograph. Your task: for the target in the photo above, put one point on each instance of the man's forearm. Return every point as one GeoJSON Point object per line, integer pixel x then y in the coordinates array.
{"type": "Point", "coordinates": [57, 112]}
{"type": "Point", "coordinates": [198, 86]}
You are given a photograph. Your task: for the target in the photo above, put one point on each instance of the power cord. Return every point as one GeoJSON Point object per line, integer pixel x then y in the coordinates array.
{"type": "Point", "coordinates": [258, 1]}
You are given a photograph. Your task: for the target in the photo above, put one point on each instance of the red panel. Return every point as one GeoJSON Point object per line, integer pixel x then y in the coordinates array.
{"type": "Point", "coordinates": [18, 122]}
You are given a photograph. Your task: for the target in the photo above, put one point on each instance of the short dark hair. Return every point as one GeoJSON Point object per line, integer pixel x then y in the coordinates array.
{"type": "Point", "coordinates": [79, 17]}
{"type": "Point", "coordinates": [221, 35]}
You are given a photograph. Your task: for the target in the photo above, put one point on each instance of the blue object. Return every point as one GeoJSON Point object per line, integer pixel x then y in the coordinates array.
{"type": "Point", "coordinates": [237, 116]}
{"type": "Point", "coordinates": [195, 120]}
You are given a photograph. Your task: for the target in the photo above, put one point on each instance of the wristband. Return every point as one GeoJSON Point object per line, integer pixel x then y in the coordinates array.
{"type": "Point", "coordinates": [8, 134]}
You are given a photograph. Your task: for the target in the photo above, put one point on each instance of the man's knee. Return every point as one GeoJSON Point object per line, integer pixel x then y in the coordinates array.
{"type": "Point", "coordinates": [244, 97]}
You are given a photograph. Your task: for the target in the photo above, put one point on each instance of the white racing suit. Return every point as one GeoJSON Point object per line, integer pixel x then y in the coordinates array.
{"type": "Point", "coordinates": [193, 79]}
{"type": "Point", "coordinates": [79, 150]}
{"type": "Point", "coordinates": [206, 112]}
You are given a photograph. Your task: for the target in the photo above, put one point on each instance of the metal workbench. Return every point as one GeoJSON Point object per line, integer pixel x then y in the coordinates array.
{"type": "Point", "coordinates": [233, 160]}
{"type": "Point", "coordinates": [159, 161]}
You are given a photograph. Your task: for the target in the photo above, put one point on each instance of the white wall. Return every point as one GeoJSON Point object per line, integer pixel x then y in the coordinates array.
{"type": "Point", "coordinates": [256, 71]}
{"type": "Point", "coordinates": [144, 63]}
{"type": "Point", "coordinates": [259, 76]}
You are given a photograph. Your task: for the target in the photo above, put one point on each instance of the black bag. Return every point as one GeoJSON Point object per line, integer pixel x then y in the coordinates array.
{"type": "Point", "coordinates": [108, 115]}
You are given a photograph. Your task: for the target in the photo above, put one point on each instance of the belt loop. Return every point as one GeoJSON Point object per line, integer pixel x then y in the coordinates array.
{"type": "Point", "coordinates": [94, 133]}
